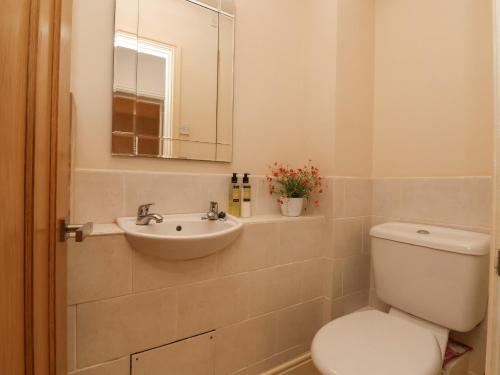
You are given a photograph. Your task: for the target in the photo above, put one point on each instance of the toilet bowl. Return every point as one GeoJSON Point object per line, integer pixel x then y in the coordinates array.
{"type": "Point", "coordinates": [376, 343]}
{"type": "Point", "coordinates": [435, 279]}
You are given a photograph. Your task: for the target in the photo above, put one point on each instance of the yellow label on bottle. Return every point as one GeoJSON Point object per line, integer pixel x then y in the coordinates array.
{"type": "Point", "coordinates": [247, 194]}
{"type": "Point", "coordinates": [234, 201]}
{"type": "Point", "coordinates": [236, 194]}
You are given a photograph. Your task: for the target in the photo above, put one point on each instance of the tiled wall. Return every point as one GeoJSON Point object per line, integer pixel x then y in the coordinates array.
{"type": "Point", "coordinates": [275, 276]}
{"type": "Point", "coordinates": [462, 202]}
{"type": "Point", "coordinates": [349, 244]}
{"type": "Point", "coordinates": [101, 195]}
{"type": "Point", "coordinates": [265, 296]}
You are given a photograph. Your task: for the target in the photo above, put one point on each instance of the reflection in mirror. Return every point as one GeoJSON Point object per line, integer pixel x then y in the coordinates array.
{"type": "Point", "coordinates": [173, 80]}
{"type": "Point", "coordinates": [124, 79]}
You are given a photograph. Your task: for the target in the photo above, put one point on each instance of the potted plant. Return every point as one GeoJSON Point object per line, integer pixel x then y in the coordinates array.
{"type": "Point", "coordinates": [294, 186]}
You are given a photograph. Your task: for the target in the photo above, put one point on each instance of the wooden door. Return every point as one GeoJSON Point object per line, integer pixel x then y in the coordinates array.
{"type": "Point", "coordinates": [14, 55]}
{"type": "Point", "coordinates": [34, 181]}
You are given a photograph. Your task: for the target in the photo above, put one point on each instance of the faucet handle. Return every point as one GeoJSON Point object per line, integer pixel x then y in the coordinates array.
{"type": "Point", "coordinates": [213, 212]}
{"type": "Point", "coordinates": [214, 207]}
{"type": "Point", "coordinates": [143, 209]}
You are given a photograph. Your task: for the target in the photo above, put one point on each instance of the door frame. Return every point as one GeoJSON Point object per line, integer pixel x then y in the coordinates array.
{"type": "Point", "coordinates": [493, 331]}
{"type": "Point", "coordinates": [45, 263]}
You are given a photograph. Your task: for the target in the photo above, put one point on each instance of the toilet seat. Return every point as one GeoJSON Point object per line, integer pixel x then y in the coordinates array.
{"type": "Point", "coordinates": [374, 343]}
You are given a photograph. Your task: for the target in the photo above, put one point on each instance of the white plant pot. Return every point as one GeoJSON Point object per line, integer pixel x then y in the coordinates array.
{"type": "Point", "coordinates": [292, 207]}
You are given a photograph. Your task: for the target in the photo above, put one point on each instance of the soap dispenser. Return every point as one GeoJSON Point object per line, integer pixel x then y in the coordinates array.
{"type": "Point", "coordinates": [234, 197]}
{"type": "Point", "coordinates": [246, 204]}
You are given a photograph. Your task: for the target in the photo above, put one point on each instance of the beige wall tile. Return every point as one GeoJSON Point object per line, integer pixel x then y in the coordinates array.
{"type": "Point", "coordinates": [298, 324]}
{"type": "Point", "coordinates": [301, 240]}
{"type": "Point", "coordinates": [367, 225]}
{"type": "Point", "coordinates": [262, 201]}
{"type": "Point", "coordinates": [274, 288]}
{"type": "Point", "coordinates": [172, 194]}
{"type": "Point", "coordinates": [348, 304]}
{"type": "Point", "coordinates": [329, 235]}
{"type": "Point", "coordinates": [415, 198]}
{"type": "Point", "coordinates": [355, 274]}
{"type": "Point", "coordinates": [153, 273]}
{"type": "Point", "coordinates": [358, 197]}
{"type": "Point", "coordinates": [314, 273]}
{"type": "Point", "coordinates": [97, 196]}
{"type": "Point", "coordinates": [327, 265]}
{"type": "Point", "coordinates": [245, 343]}
{"type": "Point", "coordinates": [118, 367]}
{"type": "Point", "coordinates": [339, 197]}
{"type": "Point", "coordinates": [477, 210]}
{"type": "Point", "coordinates": [454, 201]}
{"type": "Point", "coordinates": [337, 266]}
{"type": "Point", "coordinates": [98, 268]}
{"type": "Point", "coordinates": [327, 310]}
{"type": "Point", "coordinates": [71, 320]}
{"type": "Point", "coordinates": [348, 237]}
{"type": "Point", "coordinates": [458, 202]}
{"type": "Point", "coordinates": [386, 198]}
{"type": "Point", "coordinates": [113, 328]}
{"type": "Point", "coordinates": [256, 248]}
{"type": "Point", "coordinates": [212, 304]}
{"type": "Point", "coordinates": [192, 356]}
{"type": "Point", "coordinates": [440, 200]}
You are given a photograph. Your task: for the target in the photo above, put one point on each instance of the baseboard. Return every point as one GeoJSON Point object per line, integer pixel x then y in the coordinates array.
{"type": "Point", "coordinates": [290, 365]}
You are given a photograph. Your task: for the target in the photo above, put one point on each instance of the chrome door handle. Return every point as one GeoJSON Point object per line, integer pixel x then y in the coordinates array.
{"type": "Point", "coordinates": [78, 231]}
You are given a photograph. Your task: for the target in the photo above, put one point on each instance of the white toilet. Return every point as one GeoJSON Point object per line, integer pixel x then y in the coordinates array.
{"type": "Point", "coordinates": [435, 280]}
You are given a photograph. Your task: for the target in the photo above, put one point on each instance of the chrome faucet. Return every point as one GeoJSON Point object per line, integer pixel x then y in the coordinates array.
{"type": "Point", "coordinates": [213, 212]}
{"type": "Point", "coordinates": [144, 217]}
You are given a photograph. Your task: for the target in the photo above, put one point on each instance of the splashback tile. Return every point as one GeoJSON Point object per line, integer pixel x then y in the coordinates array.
{"type": "Point", "coordinates": [97, 196]}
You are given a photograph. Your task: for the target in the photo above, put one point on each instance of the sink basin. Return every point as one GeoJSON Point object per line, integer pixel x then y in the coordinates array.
{"type": "Point", "coordinates": [181, 237]}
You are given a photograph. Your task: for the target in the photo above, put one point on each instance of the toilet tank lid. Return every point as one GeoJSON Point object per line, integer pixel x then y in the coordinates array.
{"type": "Point", "coordinates": [440, 238]}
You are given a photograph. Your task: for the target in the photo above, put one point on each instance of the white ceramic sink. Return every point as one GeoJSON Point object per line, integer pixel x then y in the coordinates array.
{"type": "Point", "coordinates": [181, 237]}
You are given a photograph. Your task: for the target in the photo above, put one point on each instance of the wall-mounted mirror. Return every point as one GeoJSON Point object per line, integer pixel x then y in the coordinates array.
{"type": "Point", "coordinates": [173, 79]}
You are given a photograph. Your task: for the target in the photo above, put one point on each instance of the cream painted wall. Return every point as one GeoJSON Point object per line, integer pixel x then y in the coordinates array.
{"type": "Point", "coordinates": [433, 88]}
{"type": "Point", "coordinates": [354, 104]}
{"type": "Point", "coordinates": [283, 87]}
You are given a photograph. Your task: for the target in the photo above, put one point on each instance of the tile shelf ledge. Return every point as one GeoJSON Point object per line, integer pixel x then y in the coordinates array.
{"type": "Point", "coordinates": [112, 229]}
